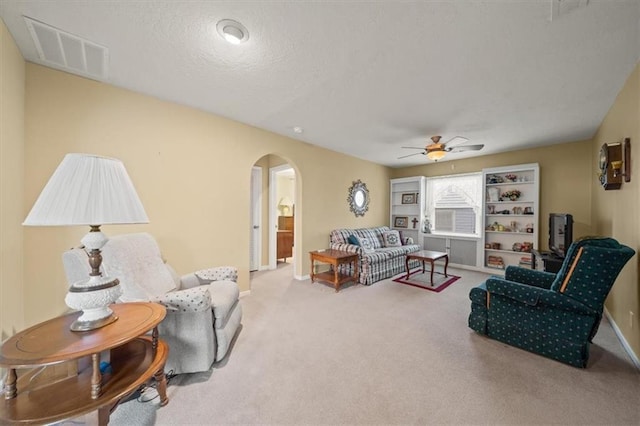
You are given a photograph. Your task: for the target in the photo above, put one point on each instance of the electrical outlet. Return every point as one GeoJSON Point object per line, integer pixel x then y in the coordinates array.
{"type": "Point", "coordinates": [631, 319]}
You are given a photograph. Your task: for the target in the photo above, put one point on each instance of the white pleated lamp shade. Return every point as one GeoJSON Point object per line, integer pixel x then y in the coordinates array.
{"type": "Point", "coordinates": [87, 189]}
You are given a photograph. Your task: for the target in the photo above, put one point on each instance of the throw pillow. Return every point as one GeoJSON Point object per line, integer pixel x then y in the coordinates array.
{"type": "Point", "coordinates": [366, 244]}
{"type": "Point", "coordinates": [408, 241]}
{"type": "Point", "coordinates": [353, 240]}
{"type": "Point", "coordinates": [391, 239]}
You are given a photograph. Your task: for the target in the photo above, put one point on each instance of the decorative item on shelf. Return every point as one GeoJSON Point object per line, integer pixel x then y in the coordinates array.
{"type": "Point", "coordinates": [504, 212]}
{"type": "Point", "coordinates": [401, 222]}
{"type": "Point", "coordinates": [414, 222]}
{"type": "Point", "coordinates": [526, 247]}
{"type": "Point", "coordinates": [92, 191]}
{"type": "Point", "coordinates": [495, 262]}
{"type": "Point", "coordinates": [487, 245]}
{"type": "Point", "coordinates": [410, 198]}
{"type": "Point", "coordinates": [529, 228]}
{"type": "Point", "coordinates": [514, 226]}
{"type": "Point", "coordinates": [511, 177]}
{"type": "Point", "coordinates": [426, 226]}
{"type": "Point", "coordinates": [496, 246]}
{"type": "Point", "coordinates": [516, 247]}
{"type": "Point", "coordinates": [493, 179]}
{"type": "Point", "coordinates": [528, 210]}
{"type": "Point", "coordinates": [517, 210]}
{"type": "Point", "coordinates": [491, 209]}
{"type": "Point", "coordinates": [512, 195]}
{"type": "Point", "coordinates": [493, 194]}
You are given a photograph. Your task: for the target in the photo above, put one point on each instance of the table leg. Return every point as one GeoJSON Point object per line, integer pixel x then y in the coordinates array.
{"type": "Point", "coordinates": [432, 267]}
{"type": "Point", "coordinates": [356, 268]}
{"type": "Point", "coordinates": [10, 388]}
{"type": "Point", "coordinates": [161, 379]}
{"type": "Point", "coordinates": [313, 275]}
{"type": "Point", "coordinates": [336, 275]}
{"type": "Point", "coordinates": [446, 263]}
{"type": "Point", "coordinates": [96, 377]}
{"type": "Point", "coordinates": [423, 266]}
{"type": "Point", "coordinates": [406, 266]}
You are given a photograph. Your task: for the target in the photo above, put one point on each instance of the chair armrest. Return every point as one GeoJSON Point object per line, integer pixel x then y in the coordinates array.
{"type": "Point", "coordinates": [351, 248]}
{"type": "Point", "coordinates": [529, 276]}
{"type": "Point", "coordinates": [195, 299]}
{"type": "Point", "coordinates": [207, 276]}
{"type": "Point", "coordinates": [535, 296]}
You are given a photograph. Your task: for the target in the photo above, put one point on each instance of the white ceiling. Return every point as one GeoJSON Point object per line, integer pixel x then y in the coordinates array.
{"type": "Point", "coordinates": [368, 77]}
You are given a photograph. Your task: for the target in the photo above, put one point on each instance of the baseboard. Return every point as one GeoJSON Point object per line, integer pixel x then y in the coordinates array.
{"type": "Point", "coordinates": [302, 277]}
{"type": "Point", "coordinates": [625, 344]}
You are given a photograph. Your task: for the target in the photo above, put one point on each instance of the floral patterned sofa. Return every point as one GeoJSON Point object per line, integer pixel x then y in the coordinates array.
{"type": "Point", "coordinates": [383, 259]}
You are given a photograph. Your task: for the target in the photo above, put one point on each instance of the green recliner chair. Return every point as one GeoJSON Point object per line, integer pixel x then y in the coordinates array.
{"type": "Point", "coordinates": [554, 315]}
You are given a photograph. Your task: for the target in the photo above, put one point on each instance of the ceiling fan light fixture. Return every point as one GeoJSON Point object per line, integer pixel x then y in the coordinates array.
{"type": "Point", "coordinates": [232, 31]}
{"type": "Point", "coordinates": [436, 155]}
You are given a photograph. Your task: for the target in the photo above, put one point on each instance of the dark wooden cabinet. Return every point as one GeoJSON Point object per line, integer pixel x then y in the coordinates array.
{"type": "Point", "coordinates": [285, 237]}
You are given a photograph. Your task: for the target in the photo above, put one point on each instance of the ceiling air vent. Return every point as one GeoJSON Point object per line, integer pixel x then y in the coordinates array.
{"type": "Point", "coordinates": [67, 52]}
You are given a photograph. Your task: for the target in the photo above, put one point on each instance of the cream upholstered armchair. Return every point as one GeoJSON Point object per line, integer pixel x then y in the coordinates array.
{"type": "Point", "coordinates": [203, 308]}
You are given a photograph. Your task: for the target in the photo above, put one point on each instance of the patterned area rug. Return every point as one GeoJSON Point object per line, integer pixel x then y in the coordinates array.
{"type": "Point", "coordinates": [418, 279]}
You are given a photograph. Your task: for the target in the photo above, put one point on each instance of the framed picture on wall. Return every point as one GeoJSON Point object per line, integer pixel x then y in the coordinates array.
{"type": "Point", "coordinates": [401, 222]}
{"type": "Point", "coordinates": [409, 198]}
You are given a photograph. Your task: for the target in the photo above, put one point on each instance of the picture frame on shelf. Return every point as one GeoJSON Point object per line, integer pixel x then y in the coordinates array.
{"type": "Point", "coordinates": [493, 194]}
{"type": "Point", "coordinates": [401, 222]}
{"type": "Point", "coordinates": [409, 198]}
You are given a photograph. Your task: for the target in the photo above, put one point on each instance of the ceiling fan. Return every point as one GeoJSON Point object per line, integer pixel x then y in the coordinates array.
{"type": "Point", "coordinates": [437, 150]}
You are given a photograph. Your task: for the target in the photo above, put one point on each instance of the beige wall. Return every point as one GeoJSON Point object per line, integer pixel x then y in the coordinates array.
{"type": "Point", "coordinates": [617, 212]}
{"type": "Point", "coordinates": [566, 174]}
{"type": "Point", "coordinates": [12, 84]}
{"type": "Point", "coordinates": [188, 166]}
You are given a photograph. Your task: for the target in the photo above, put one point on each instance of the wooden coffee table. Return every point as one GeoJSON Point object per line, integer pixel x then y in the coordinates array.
{"type": "Point", "coordinates": [427, 256]}
{"type": "Point", "coordinates": [335, 258]}
{"type": "Point", "coordinates": [134, 358]}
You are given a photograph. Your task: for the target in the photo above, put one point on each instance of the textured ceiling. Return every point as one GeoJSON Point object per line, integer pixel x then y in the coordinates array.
{"type": "Point", "coordinates": [368, 77]}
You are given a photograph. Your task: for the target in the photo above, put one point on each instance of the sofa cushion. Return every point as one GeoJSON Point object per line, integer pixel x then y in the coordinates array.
{"type": "Point", "coordinates": [353, 240]}
{"type": "Point", "coordinates": [391, 239]}
{"type": "Point", "coordinates": [366, 244]}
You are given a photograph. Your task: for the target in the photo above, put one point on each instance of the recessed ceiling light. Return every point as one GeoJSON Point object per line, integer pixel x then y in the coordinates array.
{"type": "Point", "coordinates": [298, 130]}
{"type": "Point", "coordinates": [232, 31]}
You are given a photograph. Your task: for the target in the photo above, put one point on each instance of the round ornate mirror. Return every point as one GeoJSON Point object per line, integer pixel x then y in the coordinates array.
{"type": "Point", "coordinates": [358, 198]}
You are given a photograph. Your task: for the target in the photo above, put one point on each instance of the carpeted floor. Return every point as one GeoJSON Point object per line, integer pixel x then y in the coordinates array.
{"type": "Point", "coordinates": [387, 354]}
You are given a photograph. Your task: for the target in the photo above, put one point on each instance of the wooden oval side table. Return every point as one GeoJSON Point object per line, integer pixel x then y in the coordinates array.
{"type": "Point", "coordinates": [134, 359]}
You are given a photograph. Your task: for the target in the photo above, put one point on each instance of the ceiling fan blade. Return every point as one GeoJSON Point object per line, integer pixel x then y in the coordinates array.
{"type": "Point", "coordinates": [411, 155]}
{"type": "Point", "coordinates": [412, 147]}
{"type": "Point", "coordinates": [462, 148]}
{"type": "Point", "coordinates": [455, 141]}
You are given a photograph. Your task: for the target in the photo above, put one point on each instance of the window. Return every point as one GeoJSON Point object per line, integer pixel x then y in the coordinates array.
{"type": "Point", "coordinates": [453, 203]}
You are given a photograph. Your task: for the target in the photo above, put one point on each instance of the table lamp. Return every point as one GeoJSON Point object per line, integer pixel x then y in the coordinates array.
{"type": "Point", "coordinates": [89, 190]}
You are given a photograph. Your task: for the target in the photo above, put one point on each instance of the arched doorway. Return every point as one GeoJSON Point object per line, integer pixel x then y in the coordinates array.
{"type": "Point", "coordinates": [274, 188]}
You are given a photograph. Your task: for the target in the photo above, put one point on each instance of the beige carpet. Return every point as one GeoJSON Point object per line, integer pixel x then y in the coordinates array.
{"type": "Point", "coordinates": [387, 354]}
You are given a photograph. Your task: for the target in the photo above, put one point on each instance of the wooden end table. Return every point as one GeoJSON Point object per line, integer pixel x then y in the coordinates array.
{"type": "Point", "coordinates": [335, 258]}
{"type": "Point", "coordinates": [427, 256]}
{"type": "Point", "coordinates": [134, 358]}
